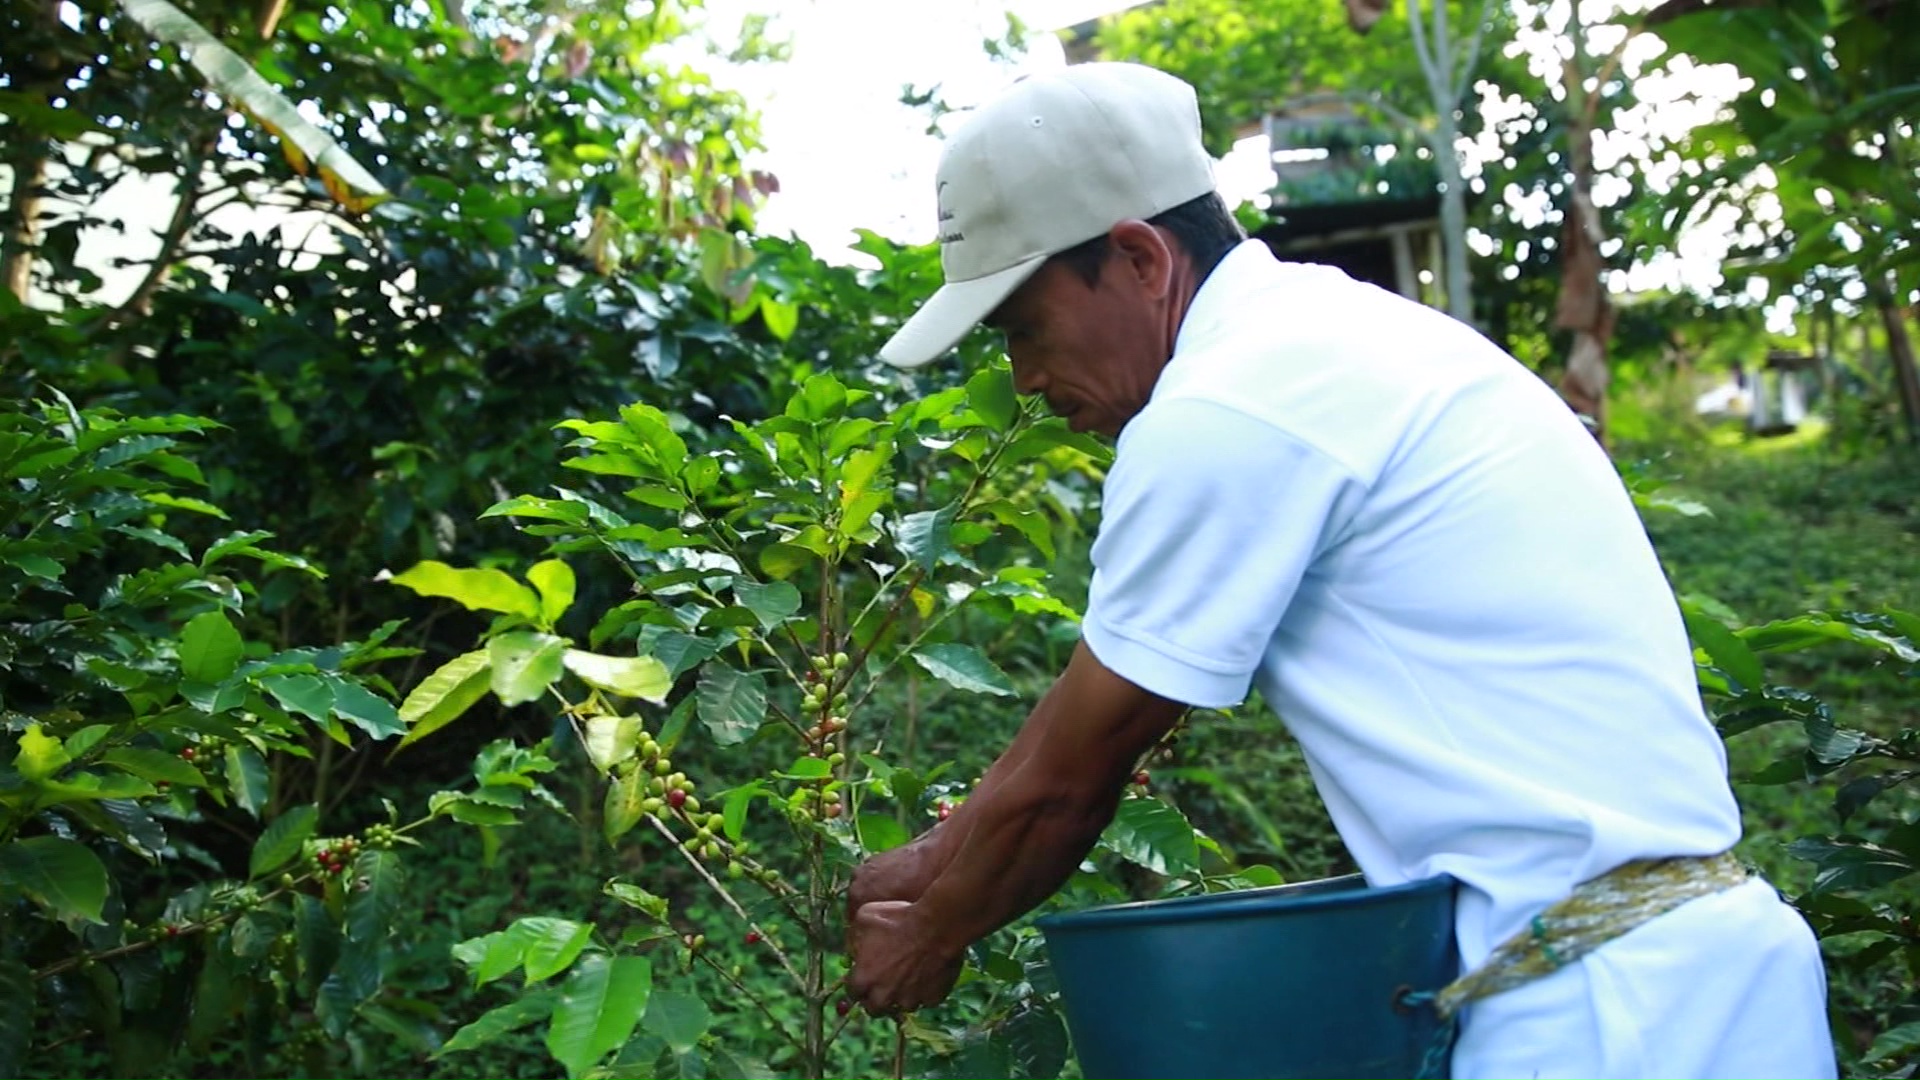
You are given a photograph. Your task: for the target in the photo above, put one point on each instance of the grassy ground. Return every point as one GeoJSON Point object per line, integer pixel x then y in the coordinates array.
{"type": "Point", "coordinates": [1800, 523]}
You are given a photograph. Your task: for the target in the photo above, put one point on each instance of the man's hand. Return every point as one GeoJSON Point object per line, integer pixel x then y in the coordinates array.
{"type": "Point", "coordinates": [901, 962]}
{"type": "Point", "coordinates": [901, 874]}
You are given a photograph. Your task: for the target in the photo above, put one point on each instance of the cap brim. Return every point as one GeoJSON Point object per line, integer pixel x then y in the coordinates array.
{"type": "Point", "coordinates": [947, 316]}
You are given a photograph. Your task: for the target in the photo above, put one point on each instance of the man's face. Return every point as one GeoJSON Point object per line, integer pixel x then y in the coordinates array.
{"type": "Point", "coordinates": [1093, 351]}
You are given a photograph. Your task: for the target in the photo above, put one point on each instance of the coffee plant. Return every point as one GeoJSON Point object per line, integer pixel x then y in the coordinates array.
{"type": "Point", "coordinates": [164, 879]}
{"type": "Point", "coordinates": [1862, 890]}
{"type": "Point", "coordinates": [779, 582]}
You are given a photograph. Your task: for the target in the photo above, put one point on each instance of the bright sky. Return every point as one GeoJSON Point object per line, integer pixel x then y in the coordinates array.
{"type": "Point", "coordinates": [849, 155]}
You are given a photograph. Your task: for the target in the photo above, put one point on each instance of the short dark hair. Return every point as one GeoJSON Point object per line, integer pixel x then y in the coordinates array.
{"type": "Point", "coordinates": [1204, 228]}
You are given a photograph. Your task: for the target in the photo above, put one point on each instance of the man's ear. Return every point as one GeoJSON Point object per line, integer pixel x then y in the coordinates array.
{"type": "Point", "coordinates": [1147, 254]}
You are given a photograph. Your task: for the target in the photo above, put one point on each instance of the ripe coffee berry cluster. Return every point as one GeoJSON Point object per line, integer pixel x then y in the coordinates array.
{"type": "Point", "coordinates": [334, 855]}
{"type": "Point", "coordinates": [207, 749]}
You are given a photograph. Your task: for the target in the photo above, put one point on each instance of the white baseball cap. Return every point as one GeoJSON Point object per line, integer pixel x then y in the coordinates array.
{"type": "Point", "coordinates": [1054, 161]}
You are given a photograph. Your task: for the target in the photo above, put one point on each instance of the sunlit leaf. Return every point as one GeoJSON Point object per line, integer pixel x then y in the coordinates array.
{"type": "Point", "coordinates": [554, 580]}
{"type": "Point", "coordinates": [781, 318]}
{"type": "Point", "coordinates": [524, 663]}
{"type": "Point", "coordinates": [443, 696]}
{"type": "Point", "coordinates": [345, 179]}
{"type": "Point", "coordinates": [965, 668]}
{"type": "Point", "coordinates": [821, 397]}
{"type": "Point", "coordinates": [629, 676]}
{"type": "Point", "coordinates": [734, 810]}
{"type": "Point", "coordinates": [653, 907]}
{"type": "Point", "coordinates": [475, 588]}
{"type": "Point", "coordinates": [40, 755]}
{"type": "Point", "coordinates": [990, 394]}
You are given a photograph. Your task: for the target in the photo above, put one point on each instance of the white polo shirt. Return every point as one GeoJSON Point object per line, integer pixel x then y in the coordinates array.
{"type": "Point", "coordinates": [1430, 571]}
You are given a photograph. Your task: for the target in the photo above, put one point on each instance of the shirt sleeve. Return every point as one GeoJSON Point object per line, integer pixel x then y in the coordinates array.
{"type": "Point", "coordinates": [1210, 520]}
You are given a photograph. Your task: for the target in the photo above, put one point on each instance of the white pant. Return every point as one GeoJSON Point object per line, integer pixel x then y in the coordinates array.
{"type": "Point", "coordinates": [1728, 985]}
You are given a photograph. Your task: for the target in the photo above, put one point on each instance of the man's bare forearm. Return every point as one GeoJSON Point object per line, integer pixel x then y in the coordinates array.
{"type": "Point", "coordinates": [946, 838]}
{"type": "Point", "coordinates": [1026, 840]}
{"type": "Point", "coordinates": [1039, 810]}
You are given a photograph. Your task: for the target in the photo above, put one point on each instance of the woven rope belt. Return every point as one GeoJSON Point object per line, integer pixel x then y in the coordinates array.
{"type": "Point", "coordinates": [1596, 912]}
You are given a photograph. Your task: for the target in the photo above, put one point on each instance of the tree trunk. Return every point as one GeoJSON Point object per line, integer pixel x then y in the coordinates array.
{"type": "Point", "coordinates": [1584, 306]}
{"type": "Point", "coordinates": [30, 164]}
{"type": "Point", "coordinates": [1906, 373]}
{"type": "Point", "coordinates": [23, 229]}
{"type": "Point", "coordinates": [1453, 221]}
{"type": "Point", "coordinates": [1437, 62]}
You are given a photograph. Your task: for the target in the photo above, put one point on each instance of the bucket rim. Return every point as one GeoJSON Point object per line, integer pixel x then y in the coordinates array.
{"type": "Point", "coordinates": [1238, 903]}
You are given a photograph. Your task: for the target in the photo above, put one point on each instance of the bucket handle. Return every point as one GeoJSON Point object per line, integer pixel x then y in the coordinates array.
{"type": "Point", "coordinates": [1434, 1063]}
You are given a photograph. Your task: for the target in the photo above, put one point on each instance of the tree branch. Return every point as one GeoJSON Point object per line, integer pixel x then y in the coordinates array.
{"type": "Point", "coordinates": [184, 219]}
{"type": "Point", "coordinates": [1417, 25]}
{"type": "Point", "coordinates": [1472, 60]}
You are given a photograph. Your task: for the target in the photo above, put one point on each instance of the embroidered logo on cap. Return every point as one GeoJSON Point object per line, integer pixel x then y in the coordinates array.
{"type": "Point", "coordinates": [948, 234]}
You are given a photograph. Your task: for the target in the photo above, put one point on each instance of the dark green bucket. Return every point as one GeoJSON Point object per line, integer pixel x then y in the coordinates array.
{"type": "Point", "coordinates": [1293, 981]}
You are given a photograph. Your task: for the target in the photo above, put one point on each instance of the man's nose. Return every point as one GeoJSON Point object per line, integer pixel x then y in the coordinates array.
{"type": "Point", "coordinates": [1027, 379]}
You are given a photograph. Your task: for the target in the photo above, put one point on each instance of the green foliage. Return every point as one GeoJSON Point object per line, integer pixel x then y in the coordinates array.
{"type": "Point", "coordinates": [1835, 88]}
{"type": "Point", "coordinates": [1248, 60]}
{"type": "Point", "coordinates": [141, 730]}
{"type": "Point", "coordinates": [1813, 705]}
{"type": "Point", "coordinates": [772, 666]}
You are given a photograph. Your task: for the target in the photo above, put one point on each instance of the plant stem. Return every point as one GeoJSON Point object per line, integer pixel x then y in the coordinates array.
{"type": "Point", "coordinates": [778, 1024]}
{"type": "Point", "coordinates": [899, 1049]}
{"type": "Point", "coordinates": [721, 891]}
{"type": "Point", "coordinates": [816, 971]}
{"type": "Point", "coordinates": [904, 653]}
{"type": "Point", "coordinates": [184, 929]}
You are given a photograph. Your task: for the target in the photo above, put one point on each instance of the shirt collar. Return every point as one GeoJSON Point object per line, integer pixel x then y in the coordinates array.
{"type": "Point", "coordinates": [1241, 271]}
